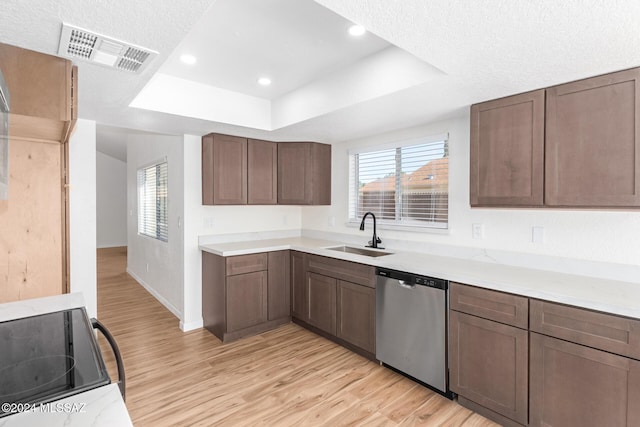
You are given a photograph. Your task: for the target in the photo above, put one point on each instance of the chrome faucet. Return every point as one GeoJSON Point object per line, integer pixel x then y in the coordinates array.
{"type": "Point", "coordinates": [375, 239]}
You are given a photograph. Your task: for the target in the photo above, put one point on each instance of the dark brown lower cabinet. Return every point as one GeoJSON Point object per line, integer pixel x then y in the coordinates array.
{"type": "Point", "coordinates": [322, 300]}
{"type": "Point", "coordinates": [279, 290]}
{"type": "Point", "coordinates": [246, 300]}
{"type": "Point", "coordinates": [489, 364]}
{"type": "Point", "coordinates": [321, 294]}
{"type": "Point", "coordinates": [574, 385]}
{"type": "Point", "coordinates": [356, 309]}
{"type": "Point", "coordinates": [246, 294]}
{"type": "Point", "coordinates": [298, 285]}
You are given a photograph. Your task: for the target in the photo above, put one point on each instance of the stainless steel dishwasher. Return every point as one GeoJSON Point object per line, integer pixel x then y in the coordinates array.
{"type": "Point", "coordinates": [411, 326]}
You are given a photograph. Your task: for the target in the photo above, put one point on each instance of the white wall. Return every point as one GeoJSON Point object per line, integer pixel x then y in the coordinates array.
{"type": "Point", "coordinates": [111, 201]}
{"type": "Point", "coordinates": [592, 235]}
{"type": "Point", "coordinates": [217, 220]}
{"type": "Point", "coordinates": [82, 213]}
{"type": "Point", "coordinates": [157, 265]}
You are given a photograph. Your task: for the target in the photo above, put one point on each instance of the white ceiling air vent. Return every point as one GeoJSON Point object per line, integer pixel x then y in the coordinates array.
{"type": "Point", "coordinates": [78, 43]}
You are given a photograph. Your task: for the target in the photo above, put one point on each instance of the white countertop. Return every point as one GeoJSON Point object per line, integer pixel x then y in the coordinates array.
{"type": "Point", "coordinates": [616, 297]}
{"type": "Point", "coordinates": [33, 307]}
{"type": "Point", "coordinates": [102, 406]}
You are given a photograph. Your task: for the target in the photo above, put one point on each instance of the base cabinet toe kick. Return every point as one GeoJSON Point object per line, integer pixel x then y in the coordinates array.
{"type": "Point", "coordinates": [521, 361]}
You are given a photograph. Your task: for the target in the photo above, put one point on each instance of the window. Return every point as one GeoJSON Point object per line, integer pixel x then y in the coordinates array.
{"type": "Point", "coordinates": [404, 184]}
{"type": "Point", "coordinates": [152, 201]}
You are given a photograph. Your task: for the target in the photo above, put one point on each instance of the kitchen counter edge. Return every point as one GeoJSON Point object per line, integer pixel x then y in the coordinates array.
{"type": "Point", "coordinates": [609, 296]}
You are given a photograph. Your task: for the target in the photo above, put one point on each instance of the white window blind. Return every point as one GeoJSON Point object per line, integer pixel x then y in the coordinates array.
{"type": "Point", "coordinates": [153, 201]}
{"type": "Point", "coordinates": [406, 185]}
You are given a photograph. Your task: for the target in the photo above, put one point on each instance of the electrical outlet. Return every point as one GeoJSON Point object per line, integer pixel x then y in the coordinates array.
{"type": "Point", "coordinates": [477, 231]}
{"type": "Point", "coordinates": [332, 221]}
{"type": "Point", "coordinates": [207, 222]}
{"type": "Point", "coordinates": [147, 267]}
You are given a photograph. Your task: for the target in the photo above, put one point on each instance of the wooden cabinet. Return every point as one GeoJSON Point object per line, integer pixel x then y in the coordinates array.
{"type": "Point", "coordinates": [245, 294]}
{"type": "Point", "coordinates": [240, 171]}
{"type": "Point", "coordinates": [304, 173]}
{"type": "Point", "coordinates": [34, 221]}
{"type": "Point", "coordinates": [507, 151]}
{"type": "Point", "coordinates": [488, 355]}
{"type": "Point", "coordinates": [262, 172]}
{"type": "Point", "coordinates": [321, 291]}
{"type": "Point", "coordinates": [43, 92]}
{"type": "Point", "coordinates": [592, 142]}
{"type": "Point", "coordinates": [587, 154]}
{"type": "Point", "coordinates": [224, 170]}
{"type": "Point", "coordinates": [298, 285]}
{"type": "Point", "coordinates": [279, 296]}
{"type": "Point", "coordinates": [583, 367]}
{"type": "Point", "coordinates": [574, 385]}
{"type": "Point", "coordinates": [336, 297]}
{"type": "Point", "coordinates": [356, 311]}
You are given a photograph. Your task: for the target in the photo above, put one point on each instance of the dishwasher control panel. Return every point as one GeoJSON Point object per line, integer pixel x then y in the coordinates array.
{"type": "Point", "coordinates": [413, 279]}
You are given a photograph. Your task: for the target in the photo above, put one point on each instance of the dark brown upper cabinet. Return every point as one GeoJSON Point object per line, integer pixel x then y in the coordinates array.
{"type": "Point", "coordinates": [262, 172]}
{"type": "Point", "coordinates": [240, 171]}
{"type": "Point", "coordinates": [304, 173]}
{"type": "Point", "coordinates": [573, 145]}
{"type": "Point", "coordinates": [224, 170]}
{"type": "Point", "coordinates": [507, 151]}
{"type": "Point", "coordinates": [592, 148]}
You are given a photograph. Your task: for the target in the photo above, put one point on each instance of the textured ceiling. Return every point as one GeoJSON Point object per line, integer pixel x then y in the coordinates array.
{"type": "Point", "coordinates": [484, 49]}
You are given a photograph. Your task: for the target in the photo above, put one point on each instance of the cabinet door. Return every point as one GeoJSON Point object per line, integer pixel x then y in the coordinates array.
{"type": "Point", "coordinates": [262, 169]}
{"type": "Point", "coordinates": [279, 296]}
{"type": "Point", "coordinates": [298, 285]}
{"type": "Point", "coordinates": [573, 385]}
{"type": "Point", "coordinates": [246, 300]}
{"type": "Point", "coordinates": [356, 322]}
{"type": "Point", "coordinates": [224, 160]}
{"type": "Point", "coordinates": [592, 148]}
{"type": "Point", "coordinates": [321, 295]}
{"type": "Point", "coordinates": [294, 173]}
{"type": "Point", "coordinates": [507, 151]}
{"type": "Point", "coordinates": [489, 364]}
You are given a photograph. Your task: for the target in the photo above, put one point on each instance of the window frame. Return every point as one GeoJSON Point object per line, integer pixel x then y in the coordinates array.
{"type": "Point", "coordinates": [395, 224]}
{"type": "Point", "coordinates": [159, 236]}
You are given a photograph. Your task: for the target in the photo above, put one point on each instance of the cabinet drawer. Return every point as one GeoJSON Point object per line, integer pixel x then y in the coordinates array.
{"type": "Point", "coordinates": [344, 270]}
{"type": "Point", "coordinates": [492, 305]}
{"type": "Point", "coordinates": [607, 332]}
{"type": "Point", "coordinates": [241, 264]}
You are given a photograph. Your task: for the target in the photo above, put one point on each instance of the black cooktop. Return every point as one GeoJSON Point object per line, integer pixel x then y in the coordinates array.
{"type": "Point", "coordinates": [49, 357]}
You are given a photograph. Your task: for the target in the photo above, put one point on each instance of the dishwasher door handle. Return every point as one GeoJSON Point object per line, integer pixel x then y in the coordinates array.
{"type": "Point", "coordinates": [406, 285]}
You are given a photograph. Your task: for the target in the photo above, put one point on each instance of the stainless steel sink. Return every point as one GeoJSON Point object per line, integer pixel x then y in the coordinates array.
{"type": "Point", "coordinates": [360, 251]}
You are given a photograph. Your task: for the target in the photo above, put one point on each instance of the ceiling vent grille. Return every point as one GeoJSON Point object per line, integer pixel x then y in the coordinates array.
{"type": "Point", "coordinates": [78, 43]}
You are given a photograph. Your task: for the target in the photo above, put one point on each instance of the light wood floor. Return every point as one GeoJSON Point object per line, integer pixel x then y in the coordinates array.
{"type": "Point", "coordinates": [284, 377]}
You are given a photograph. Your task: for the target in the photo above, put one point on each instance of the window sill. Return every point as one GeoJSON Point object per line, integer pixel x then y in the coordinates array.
{"type": "Point", "coordinates": [400, 227]}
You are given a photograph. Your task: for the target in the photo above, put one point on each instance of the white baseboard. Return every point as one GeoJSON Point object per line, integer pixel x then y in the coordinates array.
{"type": "Point", "coordinates": [190, 326]}
{"type": "Point", "coordinates": [157, 296]}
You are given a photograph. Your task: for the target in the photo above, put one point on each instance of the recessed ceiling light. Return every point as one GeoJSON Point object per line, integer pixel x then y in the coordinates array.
{"type": "Point", "coordinates": [188, 59]}
{"type": "Point", "coordinates": [357, 30]}
{"type": "Point", "coordinates": [264, 81]}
